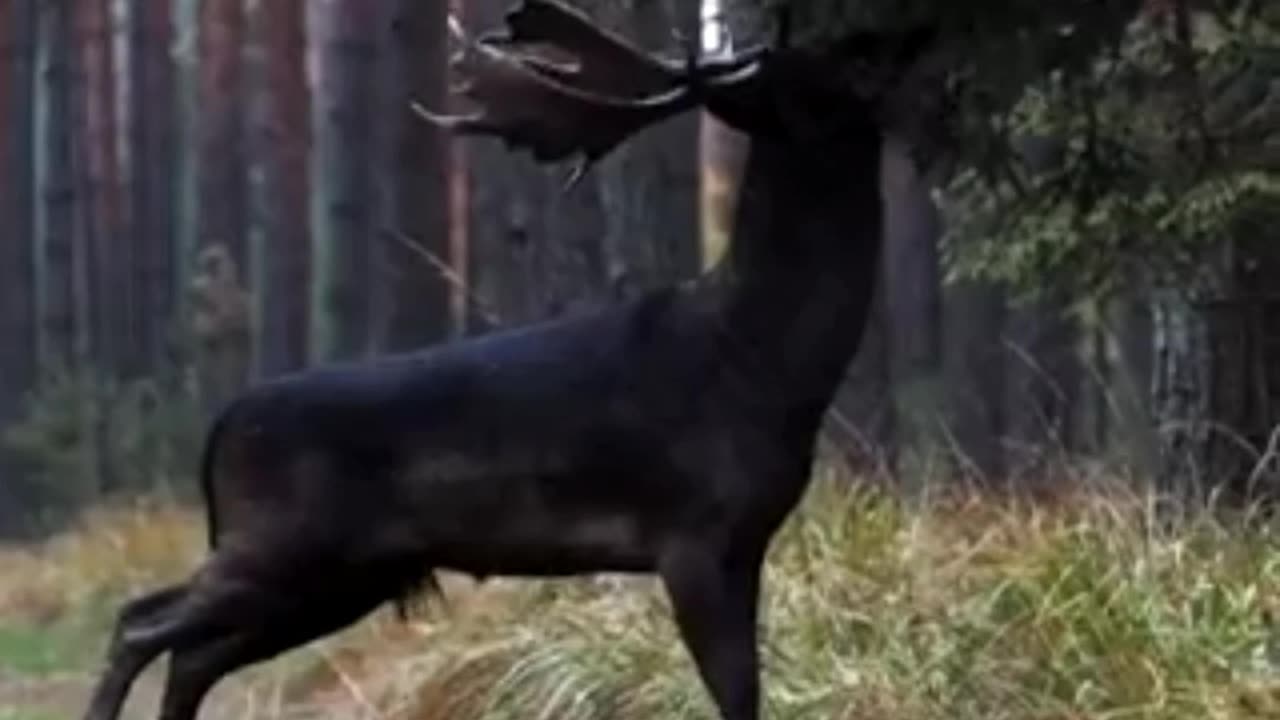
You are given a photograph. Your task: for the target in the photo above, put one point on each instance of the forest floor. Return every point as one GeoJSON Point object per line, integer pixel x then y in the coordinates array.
{"type": "Point", "coordinates": [962, 607]}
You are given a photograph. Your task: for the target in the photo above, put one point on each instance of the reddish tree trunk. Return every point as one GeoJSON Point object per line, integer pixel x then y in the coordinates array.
{"type": "Point", "coordinates": [347, 141]}
{"type": "Point", "coordinates": [151, 140]}
{"type": "Point", "coordinates": [283, 139]}
{"type": "Point", "coordinates": [416, 172]}
{"type": "Point", "coordinates": [111, 333]}
{"type": "Point", "coordinates": [222, 184]}
{"type": "Point", "coordinates": [56, 219]}
{"type": "Point", "coordinates": [17, 198]}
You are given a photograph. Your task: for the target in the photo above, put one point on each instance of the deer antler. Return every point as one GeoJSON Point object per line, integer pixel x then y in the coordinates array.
{"type": "Point", "coordinates": [608, 63]}
{"type": "Point", "coordinates": [558, 110]}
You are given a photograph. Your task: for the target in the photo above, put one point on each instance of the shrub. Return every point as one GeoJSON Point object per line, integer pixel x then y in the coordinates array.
{"type": "Point", "coordinates": [86, 436]}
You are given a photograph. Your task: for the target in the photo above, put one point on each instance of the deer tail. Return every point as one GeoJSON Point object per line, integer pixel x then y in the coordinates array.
{"type": "Point", "coordinates": [207, 462]}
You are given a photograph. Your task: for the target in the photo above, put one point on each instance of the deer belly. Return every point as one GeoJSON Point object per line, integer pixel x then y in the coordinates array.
{"type": "Point", "coordinates": [518, 531]}
{"type": "Point", "coordinates": [516, 513]}
{"type": "Point", "coordinates": [547, 546]}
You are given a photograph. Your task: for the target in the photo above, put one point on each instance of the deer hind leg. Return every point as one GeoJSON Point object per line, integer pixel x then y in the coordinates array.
{"type": "Point", "coordinates": [715, 599]}
{"type": "Point", "coordinates": [231, 629]}
{"type": "Point", "coordinates": [196, 668]}
{"type": "Point", "coordinates": [129, 652]}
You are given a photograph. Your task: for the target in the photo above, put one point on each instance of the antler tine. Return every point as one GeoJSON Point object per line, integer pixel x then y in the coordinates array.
{"type": "Point", "coordinates": [531, 105]}
{"type": "Point", "coordinates": [607, 61]}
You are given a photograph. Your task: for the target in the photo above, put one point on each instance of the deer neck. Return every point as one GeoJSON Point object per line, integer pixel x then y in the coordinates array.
{"type": "Point", "coordinates": [797, 284]}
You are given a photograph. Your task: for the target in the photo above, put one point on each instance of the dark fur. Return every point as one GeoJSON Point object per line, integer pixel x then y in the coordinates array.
{"type": "Point", "coordinates": [669, 434]}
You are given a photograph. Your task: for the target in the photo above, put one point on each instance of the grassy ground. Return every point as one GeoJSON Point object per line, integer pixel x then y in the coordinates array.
{"type": "Point", "coordinates": [957, 608]}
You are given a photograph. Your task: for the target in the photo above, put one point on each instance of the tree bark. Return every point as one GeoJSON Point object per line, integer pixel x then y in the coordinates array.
{"type": "Point", "coordinates": [1046, 377]}
{"type": "Point", "coordinates": [152, 134]}
{"type": "Point", "coordinates": [1135, 441]}
{"type": "Point", "coordinates": [914, 291]}
{"type": "Point", "coordinates": [187, 153]}
{"type": "Point", "coordinates": [221, 312]}
{"type": "Point", "coordinates": [974, 370]}
{"type": "Point", "coordinates": [346, 39]}
{"type": "Point", "coordinates": [1216, 392]}
{"type": "Point", "coordinates": [112, 336]}
{"type": "Point", "coordinates": [18, 333]}
{"type": "Point", "coordinates": [281, 141]}
{"type": "Point", "coordinates": [56, 209]}
{"type": "Point", "coordinates": [223, 190]}
{"type": "Point", "coordinates": [415, 178]}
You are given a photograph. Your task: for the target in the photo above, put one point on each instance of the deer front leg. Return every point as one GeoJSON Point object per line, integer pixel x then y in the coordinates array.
{"type": "Point", "coordinates": [715, 597]}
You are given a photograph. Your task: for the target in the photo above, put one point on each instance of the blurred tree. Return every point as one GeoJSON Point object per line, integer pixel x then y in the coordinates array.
{"type": "Point", "coordinates": [223, 189]}
{"type": "Point", "coordinates": [17, 200]}
{"type": "Point", "coordinates": [281, 142]}
{"type": "Point", "coordinates": [101, 183]}
{"type": "Point", "coordinates": [55, 212]}
{"type": "Point", "coordinates": [914, 310]}
{"type": "Point", "coordinates": [345, 193]}
{"type": "Point", "coordinates": [152, 139]}
{"type": "Point", "coordinates": [414, 178]}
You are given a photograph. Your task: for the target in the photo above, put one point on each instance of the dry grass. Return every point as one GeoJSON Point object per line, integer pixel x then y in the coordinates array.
{"type": "Point", "coordinates": [111, 552]}
{"type": "Point", "coordinates": [957, 608]}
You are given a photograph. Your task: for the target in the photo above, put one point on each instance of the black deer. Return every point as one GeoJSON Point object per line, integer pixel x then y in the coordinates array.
{"type": "Point", "coordinates": [671, 434]}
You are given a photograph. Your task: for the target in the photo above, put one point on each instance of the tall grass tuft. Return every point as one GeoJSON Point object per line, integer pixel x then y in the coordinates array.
{"type": "Point", "coordinates": [111, 553]}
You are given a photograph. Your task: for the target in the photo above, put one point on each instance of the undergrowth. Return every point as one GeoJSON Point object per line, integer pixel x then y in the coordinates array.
{"type": "Point", "coordinates": [1086, 607]}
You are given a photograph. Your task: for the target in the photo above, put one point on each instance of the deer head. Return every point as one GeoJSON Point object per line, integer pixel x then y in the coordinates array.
{"type": "Point", "coordinates": [559, 87]}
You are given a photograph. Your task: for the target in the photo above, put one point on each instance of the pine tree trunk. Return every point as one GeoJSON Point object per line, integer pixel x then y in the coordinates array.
{"type": "Point", "coordinates": [17, 260]}
{"type": "Point", "coordinates": [187, 152]}
{"type": "Point", "coordinates": [914, 288]}
{"type": "Point", "coordinates": [281, 141]}
{"type": "Point", "coordinates": [974, 370]}
{"type": "Point", "coordinates": [152, 136]}
{"type": "Point", "coordinates": [1216, 392]}
{"type": "Point", "coordinates": [1046, 379]}
{"type": "Point", "coordinates": [461, 302]}
{"type": "Point", "coordinates": [111, 335]}
{"type": "Point", "coordinates": [346, 40]}
{"type": "Point", "coordinates": [223, 183]}
{"type": "Point", "coordinates": [414, 178]}
{"type": "Point", "coordinates": [220, 318]}
{"type": "Point", "coordinates": [1134, 442]}
{"type": "Point", "coordinates": [56, 209]}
